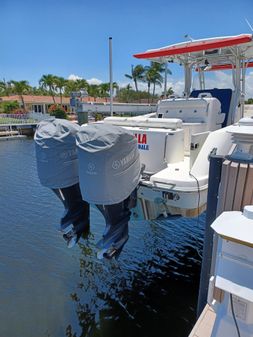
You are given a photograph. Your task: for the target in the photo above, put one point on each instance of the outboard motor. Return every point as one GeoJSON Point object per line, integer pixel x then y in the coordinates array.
{"type": "Point", "coordinates": [109, 169]}
{"type": "Point", "coordinates": [56, 155]}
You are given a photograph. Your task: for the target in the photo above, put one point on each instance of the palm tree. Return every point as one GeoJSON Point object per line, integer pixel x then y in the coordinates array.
{"type": "Point", "coordinates": [104, 89]}
{"type": "Point", "coordinates": [149, 75]}
{"type": "Point", "coordinates": [157, 80]}
{"type": "Point", "coordinates": [40, 91]}
{"type": "Point", "coordinates": [82, 84]}
{"type": "Point", "coordinates": [48, 82]}
{"type": "Point", "coordinates": [60, 84]}
{"type": "Point", "coordinates": [128, 88]}
{"type": "Point", "coordinates": [94, 91]}
{"type": "Point", "coordinates": [170, 91]}
{"type": "Point", "coordinates": [153, 75]}
{"type": "Point", "coordinates": [70, 87]}
{"type": "Point", "coordinates": [20, 88]}
{"type": "Point", "coordinates": [5, 88]}
{"type": "Point", "coordinates": [75, 85]}
{"type": "Point", "coordinates": [137, 74]}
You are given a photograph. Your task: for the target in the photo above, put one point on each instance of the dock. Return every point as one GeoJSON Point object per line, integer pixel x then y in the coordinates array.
{"type": "Point", "coordinates": [205, 323]}
{"type": "Point", "coordinates": [13, 126]}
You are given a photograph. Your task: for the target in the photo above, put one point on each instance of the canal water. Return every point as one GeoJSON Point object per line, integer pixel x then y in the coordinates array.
{"type": "Point", "coordinates": [49, 290]}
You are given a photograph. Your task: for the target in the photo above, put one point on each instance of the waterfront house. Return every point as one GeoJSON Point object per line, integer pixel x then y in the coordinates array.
{"type": "Point", "coordinates": [41, 104]}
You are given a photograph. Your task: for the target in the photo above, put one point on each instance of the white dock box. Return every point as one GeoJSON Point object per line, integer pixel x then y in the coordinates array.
{"type": "Point", "coordinates": [234, 272]}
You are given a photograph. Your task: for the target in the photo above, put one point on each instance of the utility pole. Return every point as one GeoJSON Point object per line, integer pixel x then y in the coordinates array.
{"type": "Point", "coordinates": [110, 71]}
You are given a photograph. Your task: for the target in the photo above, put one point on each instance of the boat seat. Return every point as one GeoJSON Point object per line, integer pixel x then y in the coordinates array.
{"type": "Point", "coordinates": [223, 95]}
{"type": "Point", "coordinates": [192, 111]}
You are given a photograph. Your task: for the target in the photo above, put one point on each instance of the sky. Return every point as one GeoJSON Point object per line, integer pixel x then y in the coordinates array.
{"type": "Point", "coordinates": [70, 37]}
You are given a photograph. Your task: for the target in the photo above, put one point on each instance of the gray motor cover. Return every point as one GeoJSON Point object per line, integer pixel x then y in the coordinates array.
{"type": "Point", "coordinates": [109, 163]}
{"type": "Point", "coordinates": [56, 153]}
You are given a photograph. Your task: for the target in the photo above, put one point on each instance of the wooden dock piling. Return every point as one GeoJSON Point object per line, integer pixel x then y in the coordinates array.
{"type": "Point", "coordinates": [212, 201]}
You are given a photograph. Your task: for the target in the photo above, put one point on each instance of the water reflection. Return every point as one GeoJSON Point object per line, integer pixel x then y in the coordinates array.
{"type": "Point", "coordinates": [150, 291]}
{"type": "Point", "coordinates": [49, 290]}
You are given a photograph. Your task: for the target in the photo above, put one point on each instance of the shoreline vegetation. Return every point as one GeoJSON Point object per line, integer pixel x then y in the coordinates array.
{"type": "Point", "coordinates": [56, 86]}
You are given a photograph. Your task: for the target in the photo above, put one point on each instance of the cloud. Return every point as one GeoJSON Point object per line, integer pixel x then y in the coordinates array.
{"type": "Point", "coordinates": [124, 84]}
{"type": "Point", "coordinates": [249, 85]}
{"type": "Point", "coordinates": [74, 77]}
{"type": "Point", "coordinates": [177, 86]}
{"type": "Point", "coordinates": [94, 81]}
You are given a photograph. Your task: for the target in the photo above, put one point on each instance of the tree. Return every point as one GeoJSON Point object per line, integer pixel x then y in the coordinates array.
{"type": "Point", "coordinates": [94, 91]}
{"type": "Point", "coordinates": [104, 89]}
{"type": "Point", "coordinates": [128, 88]}
{"type": "Point", "coordinates": [137, 74]}
{"type": "Point", "coordinates": [170, 91]}
{"type": "Point", "coordinates": [40, 91]}
{"type": "Point", "coordinates": [57, 111]}
{"type": "Point", "coordinates": [149, 76]}
{"type": "Point", "coordinates": [153, 75]}
{"type": "Point", "coordinates": [130, 96]}
{"type": "Point", "coordinates": [5, 88]}
{"type": "Point", "coordinates": [249, 101]}
{"type": "Point", "coordinates": [21, 88]}
{"type": "Point", "coordinates": [60, 84]}
{"type": "Point", "coordinates": [70, 87]}
{"type": "Point", "coordinates": [48, 82]}
{"type": "Point", "coordinates": [9, 107]}
{"type": "Point", "coordinates": [82, 84]}
{"type": "Point", "coordinates": [75, 85]}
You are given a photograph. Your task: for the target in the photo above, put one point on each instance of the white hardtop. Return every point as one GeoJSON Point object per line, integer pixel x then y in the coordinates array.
{"type": "Point", "coordinates": [216, 50]}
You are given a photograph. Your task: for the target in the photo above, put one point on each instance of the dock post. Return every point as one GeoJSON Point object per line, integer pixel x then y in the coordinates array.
{"type": "Point", "coordinates": [212, 201]}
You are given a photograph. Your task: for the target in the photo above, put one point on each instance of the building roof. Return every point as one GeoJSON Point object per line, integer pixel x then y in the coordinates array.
{"type": "Point", "coordinates": [33, 99]}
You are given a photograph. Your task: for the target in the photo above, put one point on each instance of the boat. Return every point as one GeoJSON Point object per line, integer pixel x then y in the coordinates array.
{"type": "Point", "coordinates": [149, 165]}
{"type": "Point", "coordinates": [175, 142]}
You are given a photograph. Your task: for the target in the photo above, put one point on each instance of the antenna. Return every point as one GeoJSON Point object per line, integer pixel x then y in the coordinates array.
{"type": "Point", "coordinates": [187, 36]}
{"type": "Point", "coordinates": [251, 28]}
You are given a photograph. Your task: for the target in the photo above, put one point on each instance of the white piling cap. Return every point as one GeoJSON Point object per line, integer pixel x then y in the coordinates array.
{"type": "Point", "coordinates": [248, 211]}
{"type": "Point", "coordinates": [236, 226]}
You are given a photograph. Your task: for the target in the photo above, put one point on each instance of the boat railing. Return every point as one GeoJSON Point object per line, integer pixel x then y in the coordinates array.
{"type": "Point", "coordinates": [38, 116]}
{"type": "Point", "coordinates": [8, 119]}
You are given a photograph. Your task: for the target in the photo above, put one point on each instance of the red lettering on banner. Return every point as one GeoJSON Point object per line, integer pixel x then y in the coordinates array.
{"type": "Point", "coordinates": [144, 139]}
{"type": "Point", "coordinates": [141, 138]}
